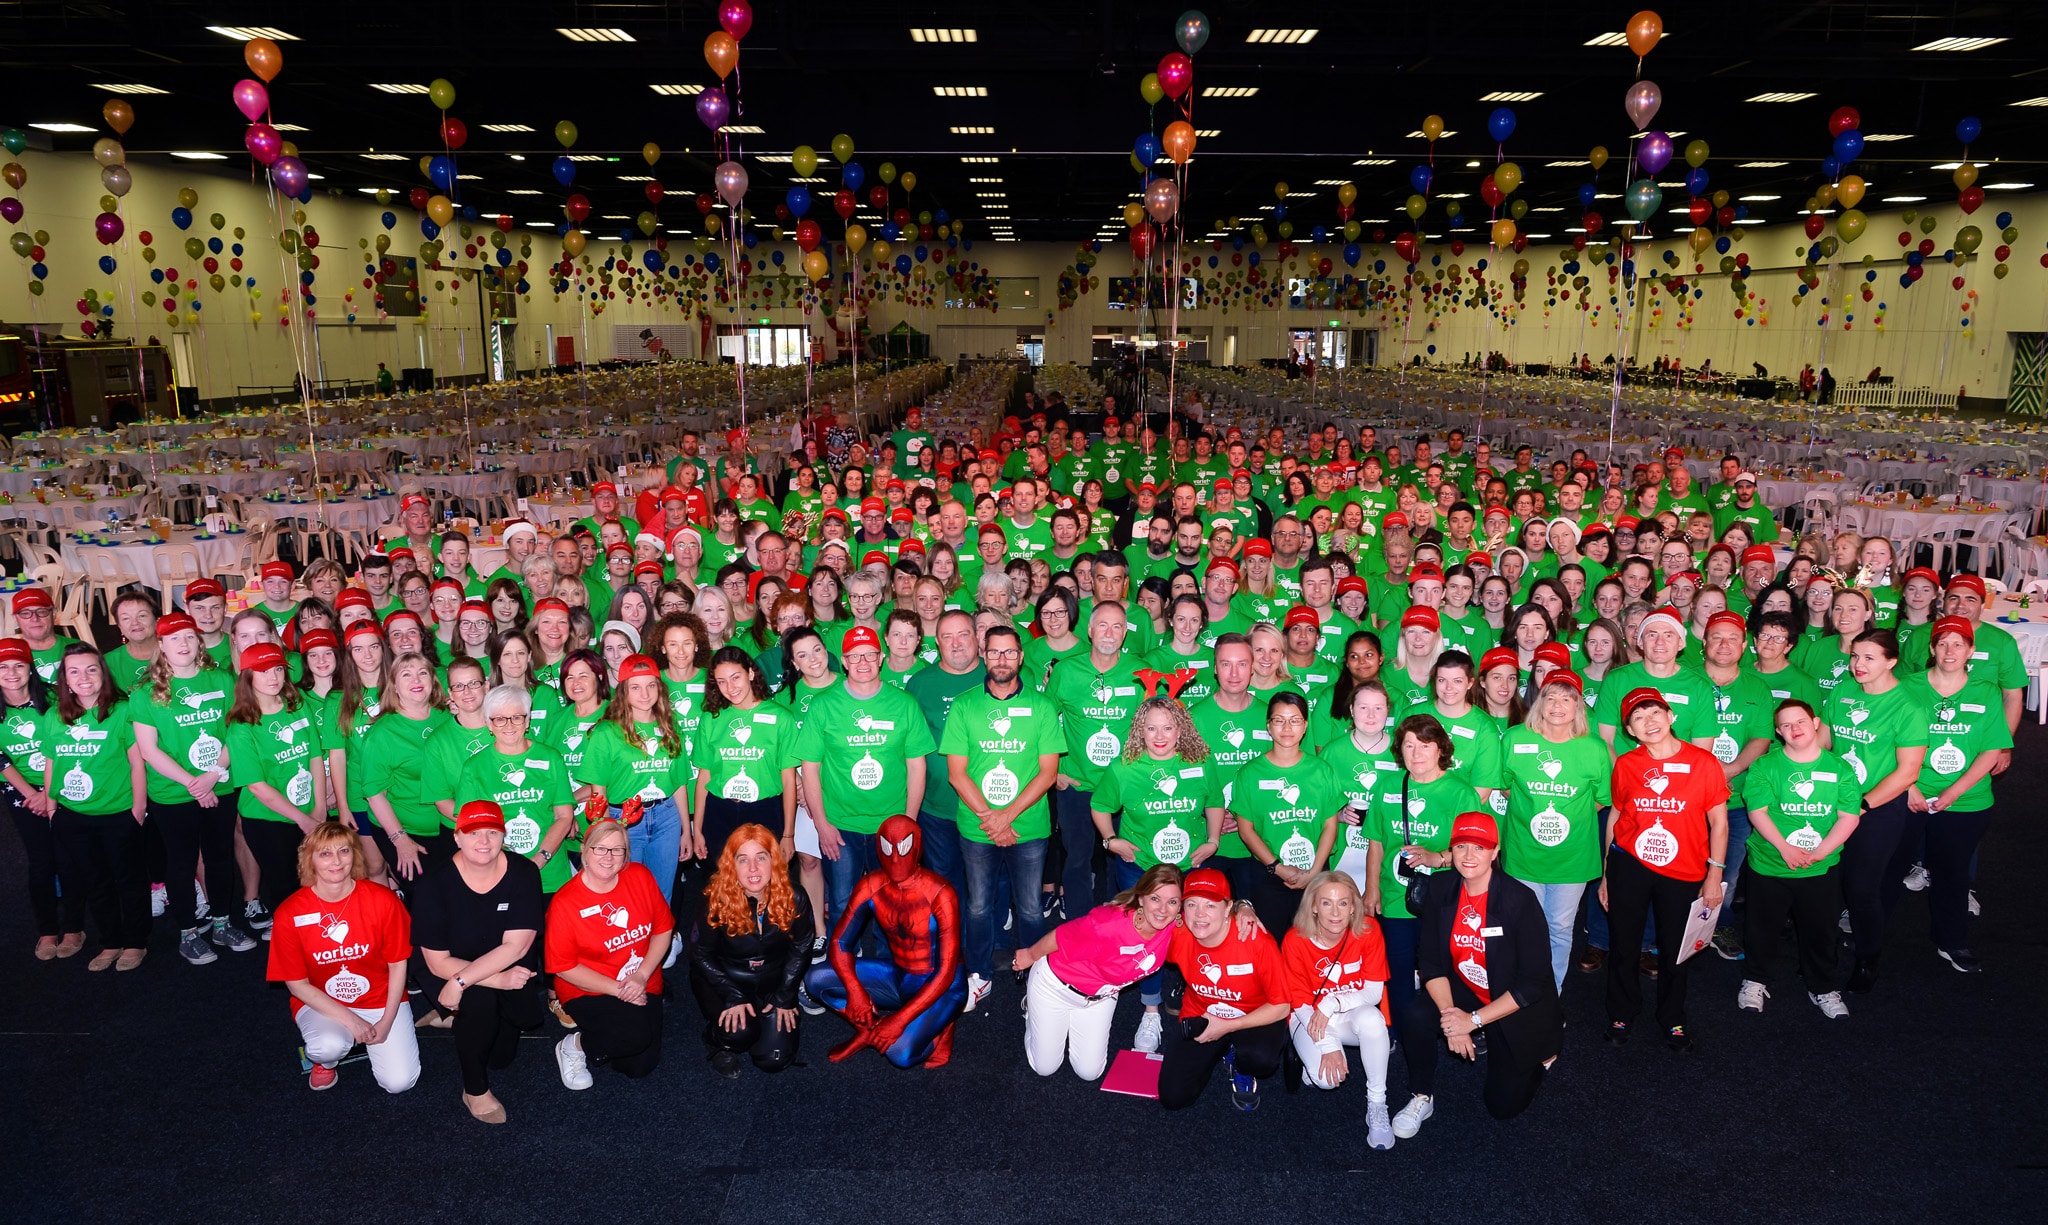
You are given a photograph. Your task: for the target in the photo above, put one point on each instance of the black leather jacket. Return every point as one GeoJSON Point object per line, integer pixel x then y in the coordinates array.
{"type": "Point", "coordinates": [762, 967]}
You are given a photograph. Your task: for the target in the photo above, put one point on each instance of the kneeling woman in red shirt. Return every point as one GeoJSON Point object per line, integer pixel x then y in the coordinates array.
{"type": "Point", "coordinates": [340, 946]}
{"type": "Point", "coordinates": [1235, 1007]}
{"type": "Point", "coordinates": [1336, 981]}
{"type": "Point", "coordinates": [608, 931]}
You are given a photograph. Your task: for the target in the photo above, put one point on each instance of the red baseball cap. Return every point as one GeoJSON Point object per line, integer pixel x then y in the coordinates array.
{"type": "Point", "coordinates": [1496, 657]}
{"type": "Point", "coordinates": [201, 588]}
{"type": "Point", "coordinates": [1258, 546]}
{"type": "Point", "coordinates": [550, 604]}
{"type": "Point", "coordinates": [1478, 828]}
{"type": "Point", "coordinates": [1394, 519]}
{"type": "Point", "coordinates": [262, 657]}
{"type": "Point", "coordinates": [1565, 676]}
{"type": "Point", "coordinates": [1639, 698]}
{"type": "Point", "coordinates": [15, 650]}
{"type": "Point", "coordinates": [318, 638]}
{"type": "Point", "coordinates": [1921, 572]}
{"type": "Point", "coordinates": [399, 552]}
{"type": "Point", "coordinates": [872, 556]}
{"type": "Point", "coordinates": [411, 500]}
{"type": "Point", "coordinates": [277, 569]}
{"type": "Point", "coordinates": [1421, 615]}
{"type": "Point", "coordinates": [604, 487]}
{"type": "Point", "coordinates": [859, 636]}
{"type": "Point", "coordinates": [347, 597]}
{"type": "Point", "coordinates": [1351, 582]}
{"type": "Point", "coordinates": [1942, 625]}
{"type": "Point", "coordinates": [1626, 522]}
{"type": "Point", "coordinates": [910, 546]}
{"type": "Point", "coordinates": [32, 597]}
{"type": "Point", "coordinates": [479, 814]}
{"type": "Point", "coordinates": [1479, 557]}
{"type": "Point", "coordinates": [646, 567]}
{"type": "Point", "coordinates": [833, 512]}
{"type": "Point", "coordinates": [632, 667]}
{"type": "Point", "coordinates": [873, 506]}
{"type": "Point", "coordinates": [1221, 563]}
{"type": "Point", "coordinates": [456, 587]}
{"type": "Point", "coordinates": [1554, 653]}
{"type": "Point", "coordinates": [1961, 582]}
{"type": "Point", "coordinates": [1205, 883]}
{"type": "Point", "coordinates": [363, 629]}
{"type": "Point", "coordinates": [404, 614]}
{"type": "Point", "coordinates": [1302, 614]}
{"type": "Point", "coordinates": [1766, 555]}
{"type": "Point", "coordinates": [173, 623]}
{"type": "Point", "coordinates": [1724, 617]}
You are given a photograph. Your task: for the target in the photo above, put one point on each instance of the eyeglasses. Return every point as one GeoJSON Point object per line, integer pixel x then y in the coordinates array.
{"type": "Point", "coordinates": [464, 686]}
{"type": "Point", "coordinates": [506, 720]}
{"type": "Point", "coordinates": [1012, 653]}
{"type": "Point", "coordinates": [605, 852]}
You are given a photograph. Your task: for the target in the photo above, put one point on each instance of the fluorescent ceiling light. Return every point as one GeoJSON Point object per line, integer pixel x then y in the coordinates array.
{"type": "Point", "coordinates": [398, 89]}
{"type": "Point", "coordinates": [540, 225]}
{"type": "Point", "coordinates": [677, 91]}
{"type": "Point", "coordinates": [1782, 96]}
{"type": "Point", "coordinates": [63, 127]}
{"type": "Point", "coordinates": [382, 157]}
{"type": "Point", "coordinates": [290, 127]}
{"type": "Point", "coordinates": [1454, 195]}
{"type": "Point", "coordinates": [1512, 95]}
{"type": "Point", "coordinates": [199, 155]}
{"type": "Point", "coordinates": [1535, 235]}
{"type": "Point", "coordinates": [1759, 165]}
{"type": "Point", "coordinates": [981, 129]}
{"type": "Point", "coordinates": [636, 178]}
{"type": "Point", "coordinates": [586, 157]}
{"type": "Point", "coordinates": [614, 217]}
{"type": "Point", "coordinates": [245, 33]}
{"type": "Point", "coordinates": [988, 195]}
{"type": "Point", "coordinates": [1880, 138]}
{"type": "Point", "coordinates": [1955, 165]}
{"type": "Point", "coordinates": [1903, 199]}
{"type": "Point", "coordinates": [1959, 44]}
{"type": "Point", "coordinates": [996, 179]}
{"type": "Point", "coordinates": [469, 178]}
{"type": "Point", "coordinates": [1615, 39]}
{"type": "Point", "coordinates": [1679, 183]}
{"type": "Point", "coordinates": [1757, 199]}
{"type": "Point", "coordinates": [742, 129]}
{"type": "Point", "coordinates": [960, 91]}
{"type": "Point", "coordinates": [1418, 135]}
{"type": "Point", "coordinates": [2007, 186]}
{"type": "Point", "coordinates": [807, 178]}
{"type": "Point", "coordinates": [2041, 101]}
{"type": "Point", "coordinates": [772, 157]}
{"type": "Point", "coordinates": [1331, 182]}
{"type": "Point", "coordinates": [1374, 161]}
{"type": "Point", "coordinates": [1571, 162]}
{"type": "Point", "coordinates": [118, 88]}
{"type": "Point", "coordinates": [1294, 37]}
{"type": "Point", "coordinates": [522, 191]}
{"type": "Point", "coordinates": [311, 175]}
{"type": "Point", "coordinates": [509, 127]}
{"type": "Point", "coordinates": [1472, 165]}
{"type": "Point", "coordinates": [593, 34]}
{"type": "Point", "coordinates": [978, 160]}
{"type": "Point", "coordinates": [1229, 91]}
{"type": "Point", "coordinates": [1208, 133]}
{"type": "Point", "coordinates": [1549, 208]}
{"type": "Point", "coordinates": [1640, 135]}
{"type": "Point", "coordinates": [930, 34]}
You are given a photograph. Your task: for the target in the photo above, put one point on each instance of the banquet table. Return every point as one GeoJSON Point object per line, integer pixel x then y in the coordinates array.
{"type": "Point", "coordinates": [1791, 491]}
{"type": "Point", "coordinates": [363, 513]}
{"type": "Point", "coordinates": [63, 512]}
{"type": "Point", "coordinates": [243, 482]}
{"type": "Point", "coordinates": [20, 479]}
{"type": "Point", "coordinates": [140, 554]}
{"type": "Point", "coordinates": [546, 512]}
{"type": "Point", "coordinates": [1912, 521]}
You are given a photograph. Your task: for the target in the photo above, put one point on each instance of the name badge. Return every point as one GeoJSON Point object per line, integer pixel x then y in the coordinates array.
{"type": "Point", "coordinates": [759, 718]}
{"type": "Point", "coordinates": [305, 920]}
{"type": "Point", "coordinates": [1823, 776]}
{"type": "Point", "coordinates": [1130, 950]}
{"type": "Point", "coordinates": [1126, 691]}
{"type": "Point", "coordinates": [1677, 767]}
{"type": "Point", "coordinates": [1466, 732]}
{"type": "Point", "coordinates": [1972, 708]}
{"type": "Point", "coordinates": [1241, 968]}
{"type": "Point", "coordinates": [531, 764]}
{"type": "Point", "coordinates": [1680, 698]}
{"type": "Point", "coordinates": [1192, 772]}
{"type": "Point", "coordinates": [1526, 748]}
{"type": "Point", "coordinates": [1489, 931]}
{"type": "Point", "coordinates": [504, 905]}
{"type": "Point", "coordinates": [587, 911]}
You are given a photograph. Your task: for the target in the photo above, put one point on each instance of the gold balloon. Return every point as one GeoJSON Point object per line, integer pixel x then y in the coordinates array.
{"type": "Point", "coordinates": [1965, 175]}
{"type": "Point", "coordinates": [856, 238]}
{"type": "Point", "coordinates": [1347, 193]}
{"type": "Point", "coordinates": [1826, 195]}
{"type": "Point", "coordinates": [119, 115]}
{"type": "Point", "coordinates": [1598, 156]}
{"type": "Point", "coordinates": [1134, 214]}
{"type": "Point", "coordinates": [803, 160]}
{"type": "Point", "coordinates": [1432, 126]}
{"type": "Point", "coordinates": [816, 266]}
{"type": "Point", "coordinates": [1701, 239]}
{"type": "Point", "coordinates": [1504, 233]}
{"type": "Point", "coordinates": [188, 198]}
{"type": "Point", "coordinates": [1850, 192]}
{"type": "Point", "coordinates": [441, 210]}
{"type": "Point", "coordinates": [650, 153]}
{"type": "Point", "coordinates": [572, 242]}
{"type": "Point", "coordinates": [881, 251]}
{"type": "Point", "coordinates": [909, 181]}
{"type": "Point", "coordinates": [1280, 190]}
{"type": "Point", "coordinates": [1507, 176]}
{"type": "Point", "coordinates": [287, 149]}
{"type": "Point", "coordinates": [1150, 90]}
{"type": "Point", "coordinates": [427, 167]}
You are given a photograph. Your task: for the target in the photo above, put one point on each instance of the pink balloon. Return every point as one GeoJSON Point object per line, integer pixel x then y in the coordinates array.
{"type": "Point", "coordinates": [1653, 152]}
{"type": "Point", "coordinates": [10, 208]}
{"type": "Point", "coordinates": [1161, 199]}
{"type": "Point", "coordinates": [736, 17]}
{"type": "Point", "coordinates": [1642, 101]}
{"type": "Point", "coordinates": [1176, 73]}
{"type": "Point", "coordinates": [713, 108]}
{"type": "Point", "coordinates": [289, 173]}
{"type": "Point", "coordinates": [263, 143]}
{"type": "Point", "coordinates": [251, 98]}
{"type": "Point", "coordinates": [107, 228]}
{"type": "Point", "coordinates": [731, 181]}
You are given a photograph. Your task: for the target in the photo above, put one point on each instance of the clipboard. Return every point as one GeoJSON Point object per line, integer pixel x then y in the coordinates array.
{"type": "Point", "coordinates": [1699, 927]}
{"type": "Point", "coordinates": [1134, 1074]}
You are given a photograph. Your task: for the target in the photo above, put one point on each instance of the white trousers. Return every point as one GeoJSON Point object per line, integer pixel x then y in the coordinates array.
{"type": "Point", "coordinates": [395, 1062]}
{"type": "Point", "coordinates": [1061, 1025]}
{"type": "Point", "coordinates": [1363, 1027]}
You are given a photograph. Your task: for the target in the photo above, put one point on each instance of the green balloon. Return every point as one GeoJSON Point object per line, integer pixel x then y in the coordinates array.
{"type": "Point", "coordinates": [1927, 225]}
{"type": "Point", "coordinates": [216, 221]}
{"type": "Point", "coordinates": [194, 248]}
{"type": "Point", "coordinates": [1968, 239]}
{"type": "Point", "coordinates": [442, 93]}
{"type": "Point", "coordinates": [35, 287]}
{"type": "Point", "coordinates": [15, 139]}
{"type": "Point", "coordinates": [2001, 270]}
{"type": "Point", "coordinates": [1519, 209]}
{"type": "Point", "coordinates": [22, 244]}
{"type": "Point", "coordinates": [887, 170]}
{"type": "Point", "coordinates": [2009, 234]}
{"type": "Point", "coordinates": [804, 160]}
{"type": "Point", "coordinates": [565, 134]}
{"type": "Point", "coordinates": [148, 298]}
{"type": "Point", "coordinates": [842, 148]}
{"type": "Point", "coordinates": [42, 238]}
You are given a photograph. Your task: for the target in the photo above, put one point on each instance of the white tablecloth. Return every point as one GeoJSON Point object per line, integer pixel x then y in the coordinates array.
{"type": "Point", "coordinates": [217, 554]}
{"type": "Point", "coordinates": [1910, 522]}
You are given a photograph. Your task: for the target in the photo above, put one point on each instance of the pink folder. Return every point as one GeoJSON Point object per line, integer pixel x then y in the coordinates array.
{"type": "Point", "coordinates": [1135, 1074]}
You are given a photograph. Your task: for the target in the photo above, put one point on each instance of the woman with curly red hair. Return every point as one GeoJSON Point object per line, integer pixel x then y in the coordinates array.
{"type": "Point", "coordinates": [748, 952]}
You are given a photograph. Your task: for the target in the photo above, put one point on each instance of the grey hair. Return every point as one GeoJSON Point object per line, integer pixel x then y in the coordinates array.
{"type": "Point", "coordinates": [507, 695]}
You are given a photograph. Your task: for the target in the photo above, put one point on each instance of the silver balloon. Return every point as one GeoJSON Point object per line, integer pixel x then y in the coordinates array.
{"type": "Point", "coordinates": [116, 180]}
{"type": "Point", "coordinates": [108, 152]}
{"type": "Point", "coordinates": [1161, 199]}
{"type": "Point", "coordinates": [1642, 102]}
{"type": "Point", "coordinates": [731, 180]}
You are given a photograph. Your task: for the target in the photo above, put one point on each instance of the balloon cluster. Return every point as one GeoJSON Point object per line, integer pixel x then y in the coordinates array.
{"type": "Point", "coordinates": [1172, 81]}
{"type": "Point", "coordinates": [31, 247]}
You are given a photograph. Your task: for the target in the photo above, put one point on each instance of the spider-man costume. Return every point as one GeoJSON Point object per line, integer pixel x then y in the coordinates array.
{"type": "Point", "coordinates": [922, 984]}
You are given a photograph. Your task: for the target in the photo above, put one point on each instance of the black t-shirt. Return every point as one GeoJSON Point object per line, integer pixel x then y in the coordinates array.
{"type": "Point", "coordinates": [448, 915]}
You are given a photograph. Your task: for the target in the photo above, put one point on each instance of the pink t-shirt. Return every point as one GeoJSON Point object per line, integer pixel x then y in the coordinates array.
{"type": "Point", "coordinates": [1103, 949]}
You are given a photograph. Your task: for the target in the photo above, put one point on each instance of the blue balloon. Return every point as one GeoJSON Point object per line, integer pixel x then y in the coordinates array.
{"type": "Point", "coordinates": [1237, 242]}
{"type": "Point", "coordinates": [1379, 265]}
{"type": "Point", "coordinates": [306, 197]}
{"type": "Point", "coordinates": [42, 272]}
{"type": "Point", "coordinates": [504, 257]}
{"type": "Point", "coordinates": [2004, 220]}
{"type": "Point", "coordinates": [1696, 181]}
{"type": "Point", "coordinates": [565, 171]}
{"type": "Point", "coordinates": [1146, 150]}
{"type": "Point", "coordinates": [1501, 123]}
{"type": "Point", "coordinates": [389, 220]}
{"type": "Point", "coordinates": [1254, 259]}
{"type": "Point", "coordinates": [1214, 260]}
{"type": "Point", "coordinates": [107, 264]}
{"type": "Point", "coordinates": [853, 176]}
{"type": "Point", "coordinates": [1279, 212]}
{"type": "Point", "coordinates": [1419, 178]}
{"type": "Point", "coordinates": [711, 261]}
{"type": "Point", "coordinates": [441, 170]}
{"type": "Point", "coordinates": [1319, 234]}
{"type": "Point", "coordinates": [921, 252]}
{"type": "Point", "coordinates": [1870, 275]}
{"type": "Point", "coordinates": [181, 217]}
{"type": "Point", "coordinates": [774, 256]}
{"type": "Point", "coordinates": [1969, 128]}
{"type": "Point", "coordinates": [1587, 194]}
{"type": "Point", "coordinates": [942, 216]}
{"type": "Point", "coordinates": [1480, 265]}
{"type": "Point", "coordinates": [1830, 168]}
{"type": "Point", "coordinates": [213, 245]}
{"type": "Point", "coordinates": [626, 233]}
{"type": "Point", "coordinates": [798, 198]}
{"type": "Point", "coordinates": [1722, 244]}
{"type": "Point", "coordinates": [469, 212]}
{"type": "Point", "coordinates": [892, 231]}
{"type": "Point", "coordinates": [751, 241]}
{"type": "Point", "coordinates": [107, 311]}
{"type": "Point", "coordinates": [235, 250]}
{"type": "Point", "coordinates": [523, 285]}
{"type": "Point", "coordinates": [652, 259]}
{"type": "Point", "coordinates": [1848, 147]}
{"type": "Point", "coordinates": [1352, 254]}
{"type": "Point", "coordinates": [1742, 212]}
{"type": "Point", "coordinates": [428, 228]}
{"type": "Point", "coordinates": [903, 265]}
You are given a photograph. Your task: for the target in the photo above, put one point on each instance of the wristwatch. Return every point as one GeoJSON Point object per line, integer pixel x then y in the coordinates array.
{"type": "Point", "coordinates": [1273, 869]}
{"type": "Point", "coordinates": [1107, 841]}
{"type": "Point", "coordinates": [1477, 1023]}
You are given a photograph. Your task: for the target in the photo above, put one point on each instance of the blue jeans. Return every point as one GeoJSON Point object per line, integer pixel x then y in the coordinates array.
{"type": "Point", "coordinates": [1738, 850]}
{"type": "Point", "coordinates": [942, 849]}
{"type": "Point", "coordinates": [856, 859]}
{"type": "Point", "coordinates": [657, 841]}
{"type": "Point", "coordinates": [1078, 838]}
{"type": "Point", "coordinates": [1153, 985]}
{"type": "Point", "coordinates": [1026, 863]}
{"type": "Point", "coordinates": [1402, 936]}
{"type": "Point", "coordinates": [1561, 908]}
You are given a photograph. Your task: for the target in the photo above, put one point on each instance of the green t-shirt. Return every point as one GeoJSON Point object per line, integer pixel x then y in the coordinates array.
{"type": "Point", "coordinates": [1827, 663]}
{"type": "Point", "coordinates": [191, 728]}
{"type": "Point", "coordinates": [283, 750]}
{"type": "Point", "coordinates": [745, 751]}
{"type": "Point", "coordinates": [1555, 793]}
{"type": "Point", "coordinates": [643, 767]}
{"type": "Point", "coordinates": [1743, 710]}
{"type": "Point", "coordinates": [935, 690]}
{"type": "Point", "coordinates": [1287, 807]}
{"type": "Point", "coordinates": [447, 751]}
{"type": "Point", "coordinates": [1690, 696]}
{"type": "Point", "coordinates": [1996, 656]}
{"type": "Point", "coordinates": [350, 739]}
{"type": "Point", "coordinates": [392, 761]}
{"type": "Point", "coordinates": [1358, 778]}
{"type": "Point", "coordinates": [1475, 745]}
{"type": "Point", "coordinates": [686, 702]}
{"type": "Point", "coordinates": [1869, 731]}
{"type": "Point", "coordinates": [1095, 713]}
{"type": "Point", "coordinates": [90, 773]}
{"type": "Point", "coordinates": [1804, 801]}
{"type": "Point", "coordinates": [1027, 541]}
{"type": "Point", "coordinates": [126, 669]}
{"type": "Point", "coordinates": [23, 733]}
{"type": "Point", "coordinates": [1200, 661]}
{"type": "Point", "coordinates": [568, 734]}
{"type": "Point", "coordinates": [1003, 740]}
{"type": "Point", "coordinates": [1432, 809]}
{"type": "Point", "coordinates": [1165, 805]}
{"type": "Point", "coordinates": [859, 746]}
{"type": "Point", "coordinates": [1961, 726]}
{"type": "Point", "coordinates": [1235, 739]}
{"type": "Point", "coordinates": [47, 659]}
{"type": "Point", "coordinates": [1777, 687]}
{"type": "Point", "coordinates": [908, 444]}
{"type": "Point", "coordinates": [529, 786]}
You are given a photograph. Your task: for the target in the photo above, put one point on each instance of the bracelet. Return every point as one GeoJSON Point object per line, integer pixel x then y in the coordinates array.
{"type": "Point", "coordinates": [1715, 863]}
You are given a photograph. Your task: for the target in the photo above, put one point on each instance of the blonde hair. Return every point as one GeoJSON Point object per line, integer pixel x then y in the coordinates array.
{"type": "Point", "coordinates": [1580, 727]}
{"type": "Point", "coordinates": [324, 835]}
{"type": "Point", "coordinates": [1305, 914]}
{"type": "Point", "coordinates": [1188, 742]}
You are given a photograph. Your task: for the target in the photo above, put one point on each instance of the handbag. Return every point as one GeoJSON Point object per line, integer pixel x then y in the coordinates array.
{"type": "Point", "coordinates": [1418, 877]}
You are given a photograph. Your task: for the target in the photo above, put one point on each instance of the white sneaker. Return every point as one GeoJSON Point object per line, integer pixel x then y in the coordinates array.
{"type": "Point", "coordinates": [1916, 878]}
{"type": "Point", "coordinates": [1147, 1040]}
{"type": "Point", "coordinates": [1830, 1005]}
{"type": "Point", "coordinates": [574, 1067]}
{"type": "Point", "coordinates": [977, 991]}
{"type": "Point", "coordinates": [1379, 1134]}
{"type": "Point", "coordinates": [1410, 1120]}
{"type": "Point", "coordinates": [198, 897]}
{"type": "Point", "coordinates": [159, 900]}
{"type": "Point", "coordinates": [1973, 903]}
{"type": "Point", "coordinates": [675, 949]}
{"type": "Point", "coordinates": [1843, 922]}
{"type": "Point", "coordinates": [1750, 996]}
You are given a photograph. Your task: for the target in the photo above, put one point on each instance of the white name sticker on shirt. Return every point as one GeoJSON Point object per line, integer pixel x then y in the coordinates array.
{"type": "Point", "coordinates": [504, 905]}
{"type": "Point", "coordinates": [1489, 932]}
{"type": "Point", "coordinates": [1020, 712]}
{"type": "Point", "coordinates": [1191, 772]}
{"type": "Point", "coordinates": [1126, 691]}
{"type": "Point", "coordinates": [1677, 767]}
{"type": "Point", "coordinates": [1239, 969]}
{"type": "Point", "coordinates": [1823, 776]}
{"type": "Point", "coordinates": [1466, 732]}
{"type": "Point", "coordinates": [1680, 698]}
{"type": "Point", "coordinates": [587, 911]}
{"type": "Point", "coordinates": [1525, 748]}
{"type": "Point", "coordinates": [1971, 708]}
{"type": "Point", "coordinates": [531, 764]}
{"type": "Point", "coordinates": [764, 719]}
{"type": "Point", "coordinates": [305, 920]}
{"type": "Point", "coordinates": [1130, 950]}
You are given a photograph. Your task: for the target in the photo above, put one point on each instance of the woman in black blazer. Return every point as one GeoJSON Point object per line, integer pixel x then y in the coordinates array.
{"type": "Point", "coordinates": [1484, 960]}
{"type": "Point", "coordinates": [748, 952]}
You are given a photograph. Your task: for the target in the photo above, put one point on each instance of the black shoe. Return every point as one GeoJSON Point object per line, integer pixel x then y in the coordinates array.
{"type": "Point", "coordinates": [820, 949]}
{"type": "Point", "coordinates": [1617, 1033]}
{"type": "Point", "coordinates": [1864, 976]}
{"type": "Point", "coordinates": [1678, 1040]}
{"type": "Point", "coordinates": [1962, 959]}
{"type": "Point", "coordinates": [1593, 962]}
{"type": "Point", "coordinates": [726, 1064]}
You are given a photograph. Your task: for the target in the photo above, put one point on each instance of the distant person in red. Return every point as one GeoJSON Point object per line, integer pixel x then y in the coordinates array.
{"type": "Point", "coordinates": [340, 946]}
{"type": "Point", "coordinates": [922, 984]}
{"type": "Point", "coordinates": [1234, 1010]}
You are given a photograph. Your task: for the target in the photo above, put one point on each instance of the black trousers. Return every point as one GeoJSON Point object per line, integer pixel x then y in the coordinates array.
{"type": "Point", "coordinates": [1516, 1047]}
{"type": "Point", "coordinates": [722, 816]}
{"type": "Point", "coordinates": [1186, 1065]}
{"type": "Point", "coordinates": [1813, 903]}
{"type": "Point", "coordinates": [55, 912]}
{"type": "Point", "coordinates": [275, 844]}
{"type": "Point", "coordinates": [1952, 839]}
{"type": "Point", "coordinates": [762, 1038]}
{"type": "Point", "coordinates": [1634, 892]}
{"type": "Point", "coordinates": [1272, 900]}
{"type": "Point", "coordinates": [192, 833]}
{"type": "Point", "coordinates": [625, 1037]}
{"type": "Point", "coordinates": [1869, 886]}
{"type": "Point", "coordinates": [101, 854]}
{"type": "Point", "coordinates": [488, 1024]}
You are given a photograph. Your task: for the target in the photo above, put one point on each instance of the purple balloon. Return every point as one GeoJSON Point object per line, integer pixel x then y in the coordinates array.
{"type": "Point", "coordinates": [251, 98]}
{"type": "Point", "coordinates": [712, 108]}
{"type": "Point", "coordinates": [10, 208]}
{"type": "Point", "coordinates": [1654, 152]}
{"type": "Point", "coordinates": [107, 228]}
{"type": "Point", "coordinates": [289, 174]}
{"type": "Point", "coordinates": [1642, 102]}
{"type": "Point", "coordinates": [263, 143]}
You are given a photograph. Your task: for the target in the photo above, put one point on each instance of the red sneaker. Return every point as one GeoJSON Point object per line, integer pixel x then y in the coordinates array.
{"type": "Point", "coordinates": [323, 1077]}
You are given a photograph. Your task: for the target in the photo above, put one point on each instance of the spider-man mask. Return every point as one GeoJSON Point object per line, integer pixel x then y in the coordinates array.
{"type": "Point", "coordinates": [900, 845]}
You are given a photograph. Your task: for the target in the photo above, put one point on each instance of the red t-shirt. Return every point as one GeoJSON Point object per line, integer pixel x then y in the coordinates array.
{"type": "Point", "coordinates": [344, 948]}
{"type": "Point", "coordinates": [1660, 808]}
{"type": "Point", "coordinates": [606, 932]}
{"type": "Point", "coordinates": [1468, 945]}
{"type": "Point", "coordinates": [1234, 978]}
{"type": "Point", "coordinates": [1314, 971]}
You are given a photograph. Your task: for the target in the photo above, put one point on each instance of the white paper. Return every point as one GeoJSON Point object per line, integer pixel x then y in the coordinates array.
{"type": "Point", "coordinates": [1699, 927]}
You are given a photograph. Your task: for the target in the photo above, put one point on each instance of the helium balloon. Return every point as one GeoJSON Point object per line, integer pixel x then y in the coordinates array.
{"type": "Point", "coordinates": [856, 238]}
{"type": "Point", "coordinates": [1142, 241]}
{"type": "Point", "coordinates": [647, 224]}
{"type": "Point", "coordinates": [650, 153]}
{"type": "Point", "coordinates": [1147, 149]}
{"type": "Point", "coordinates": [736, 17]}
{"type": "Point", "coordinates": [1507, 176]}
{"type": "Point", "coordinates": [1192, 31]}
{"type": "Point", "coordinates": [108, 152]}
{"type": "Point", "coordinates": [263, 58]}
{"type": "Point", "coordinates": [454, 132]}
{"type": "Point", "coordinates": [1848, 147]}
{"type": "Point", "coordinates": [1347, 193]}
{"type": "Point", "coordinates": [1696, 153]}
{"type": "Point", "coordinates": [115, 179]}
{"type": "Point", "coordinates": [14, 140]}
{"type": "Point", "coordinates": [1968, 129]}
{"type": "Point", "coordinates": [442, 171]}
{"type": "Point", "coordinates": [565, 134]}
{"type": "Point", "coordinates": [1644, 31]}
{"type": "Point", "coordinates": [1176, 73]}
{"type": "Point", "coordinates": [1419, 179]}
{"type": "Point", "coordinates": [565, 171]}
{"type": "Point", "coordinates": [1519, 209]}
{"type": "Point", "coordinates": [1134, 214]}
{"type": "Point", "coordinates": [844, 203]}
{"type": "Point", "coordinates": [107, 228]}
{"type": "Point", "coordinates": [251, 98]}
{"type": "Point", "coordinates": [577, 207]}
{"type": "Point", "coordinates": [1598, 156]}
{"type": "Point", "coordinates": [1503, 232]}
{"type": "Point", "coordinates": [1814, 225]}
{"type": "Point", "coordinates": [289, 174]}
{"type": "Point", "coordinates": [852, 175]}
{"type": "Point", "coordinates": [910, 180]}
{"type": "Point", "coordinates": [842, 147]}
{"type": "Point", "coordinates": [1965, 175]}
{"type": "Point", "coordinates": [808, 235]}
{"type": "Point", "coordinates": [1643, 198]}
{"type": "Point", "coordinates": [1850, 225]}
{"type": "Point", "coordinates": [803, 160]}
{"type": "Point", "coordinates": [1432, 127]}
{"type": "Point", "coordinates": [572, 242]}
{"type": "Point", "coordinates": [722, 52]}
{"type": "Point", "coordinates": [1968, 239]}
{"type": "Point", "coordinates": [440, 209]}
{"type": "Point", "coordinates": [1161, 199]}
{"type": "Point", "coordinates": [1971, 200]}
{"type": "Point", "coordinates": [1149, 89]}
{"type": "Point", "coordinates": [11, 210]}
{"type": "Point", "coordinates": [1587, 194]}
{"type": "Point", "coordinates": [713, 108]}
{"type": "Point", "coordinates": [1850, 192]}
{"type": "Point", "coordinates": [1180, 141]}
{"type": "Point", "coordinates": [1642, 102]}
{"type": "Point", "coordinates": [1416, 206]}
{"type": "Point", "coordinates": [1653, 152]}
{"type": "Point", "coordinates": [1501, 124]}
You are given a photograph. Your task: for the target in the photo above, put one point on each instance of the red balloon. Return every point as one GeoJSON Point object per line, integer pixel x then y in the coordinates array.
{"type": "Point", "coordinates": [901, 216]}
{"type": "Point", "coordinates": [1578, 242]}
{"type": "Point", "coordinates": [1845, 119]}
{"type": "Point", "coordinates": [1927, 246]}
{"type": "Point", "coordinates": [454, 132]}
{"type": "Point", "coordinates": [1490, 192]}
{"type": "Point", "coordinates": [1379, 236]}
{"type": "Point", "coordinates": [505, 222]}
{"type": "Point", "coordinates": [418, 197]}
{"type": "Point", "coordinates": [1521, 243]}
{"type": "Point", "coordinates": [1972, 199]}
{"type": "Point", "coordinates": [878, 197]}
{"type": "Point", "coordinates": [1176, 73]}
{"type": "Point", "coordinates": [1323, 266]}
{"type": "Point", "coordinates": [1905, 238]}
{"type": "Point", "coordinates": [655, 191]}
{"type": "Point", "coordinates": [1957, 283]}
{"type": "Point", "coordinates": [2003, 253]}
{"type": "Point", "coordinates": [1814, 225]}
{"type": "Point", "coordinates": [1457, 246]}
{"type": "Point", "coordinates": [843, 203]}
{"type": "Point", "coordinates": [1914, 272]}
{"type": "Point", "coordinates": [1699, 210]}
{"type": "Point", "coordinates": [736, 17]}
{"type": "Point", "coordinates": [1726, 216]}
{"type": "Point", "coordinates": [705, 203]}
{"type": "Point", "coordinates": [808, 235]}
{"type": "Point", "coordinates": [1143, 239]}
{"type": "Point", "coordinates": [1592, 222]}
{"type": "Point", "coordinates": [924, 232]}
{"type": "Point", "coordinates": [578, 207]}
